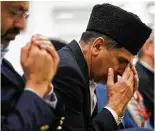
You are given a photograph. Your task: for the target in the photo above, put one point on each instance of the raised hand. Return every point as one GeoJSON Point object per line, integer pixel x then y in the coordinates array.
{"type": "Point", "coordinates": [120, 93]}
{"type": "Point", "coordinates": [39, 63]}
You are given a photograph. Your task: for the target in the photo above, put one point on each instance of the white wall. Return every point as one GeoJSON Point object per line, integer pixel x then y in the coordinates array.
{"type": "Point", "coordinates": [65, 20]}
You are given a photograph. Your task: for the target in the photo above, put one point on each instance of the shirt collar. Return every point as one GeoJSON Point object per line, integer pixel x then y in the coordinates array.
{"type": "Point", "coordinates": [3, 52]}
{"type": "Point", "coordinates": [147, 66]}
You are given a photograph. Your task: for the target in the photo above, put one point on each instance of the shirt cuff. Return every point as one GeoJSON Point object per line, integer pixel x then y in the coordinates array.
{"type": "Point", "coordinates": [117, 119]}
{"type": "Point", "coordinates": [50, 98]}
{"type": "Point", "coordinates": [32, 90]}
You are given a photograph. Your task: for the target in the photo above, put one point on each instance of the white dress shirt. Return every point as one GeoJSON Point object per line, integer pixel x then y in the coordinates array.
{"type": "Point", "coordinates": [93, 100]}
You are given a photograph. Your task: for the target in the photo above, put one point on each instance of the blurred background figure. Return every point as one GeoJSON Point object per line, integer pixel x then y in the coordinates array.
{"type": "Point", "coordinates": [58, 44]}
{"type": "Point", "coordinates": [145, 69]}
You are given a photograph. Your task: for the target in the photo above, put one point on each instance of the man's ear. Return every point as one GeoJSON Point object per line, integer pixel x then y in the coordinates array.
{"type": "Point", "coordinates": [97, 45]}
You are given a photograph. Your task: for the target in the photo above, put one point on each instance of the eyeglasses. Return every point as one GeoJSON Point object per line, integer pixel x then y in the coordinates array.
{"type": "Point", "coordinates": [17, 15]}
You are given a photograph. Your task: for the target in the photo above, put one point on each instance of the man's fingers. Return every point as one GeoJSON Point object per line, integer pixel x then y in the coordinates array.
{"type": "Point", "coordinates": [110, 79]}
{"type": "Point", "coordinates": [47, 45]}
{"type": "Point", "coordinates": [25, 52]}
{"type": "Point", "coordinates": [136, 82]}
{"type": "Point", "coordinates": [126, 73]}
{"type": "Point", "coordinates": [38, 37]}
{"type": "Point", "coordinates": [131, 78]}
{"type": "Point", "coordinates": [135, 77]}
{"type": "Point", "coordinates": [33, 52]}
{"type": "Point", "coordinates": [132, 84]}
{"type": "Point", "coordinates": [133, 69]}
{"type": "Point", "coordinates": [42, 42]}
{"type": "Point", "coordinates": [55, 57]}
{"type": "Point", "coordinates": [50, 49]}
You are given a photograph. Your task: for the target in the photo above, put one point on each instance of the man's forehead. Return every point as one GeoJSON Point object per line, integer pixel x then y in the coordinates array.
{"type": "Point", "coordinates": [20, 5]}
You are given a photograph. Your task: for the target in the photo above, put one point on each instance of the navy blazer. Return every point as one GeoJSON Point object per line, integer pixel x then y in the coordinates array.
{"type": "Point", "coordinates": [72, 86]}
{"type": "Point", "coordinates": [21, 110]}
{"type": "Point", "coordinates": [146, 88]}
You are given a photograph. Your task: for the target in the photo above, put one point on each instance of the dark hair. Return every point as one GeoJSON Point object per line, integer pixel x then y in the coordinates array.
{"type": "Point", "coordinates": [58, 44]}
{"type": "Point", "coordinates": [90, 35]}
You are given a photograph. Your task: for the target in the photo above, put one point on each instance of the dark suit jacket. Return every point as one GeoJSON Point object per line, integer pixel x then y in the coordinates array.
{"type": "Point", "coordinates": [21, 110]}
{"type": "Point", "coordinates": [72, 86]}
{"type": "Point", "coordinates": [146, 88]}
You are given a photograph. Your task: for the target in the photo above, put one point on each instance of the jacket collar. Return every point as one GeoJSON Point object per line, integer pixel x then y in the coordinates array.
{"type": "Point", "coordinates": [75, 48]}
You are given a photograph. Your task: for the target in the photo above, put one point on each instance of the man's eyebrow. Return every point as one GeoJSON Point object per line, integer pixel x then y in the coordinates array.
{"type": "Point", "coordinates": [22, 8]}
{"type": "Point", "coordinates": [122, 60]}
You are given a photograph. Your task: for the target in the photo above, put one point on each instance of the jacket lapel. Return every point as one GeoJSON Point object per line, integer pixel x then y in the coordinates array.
{"type": "Point", "coordinates": [75, 48]}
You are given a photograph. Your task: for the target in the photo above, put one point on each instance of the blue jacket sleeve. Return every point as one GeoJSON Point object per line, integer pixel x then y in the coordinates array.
{"type": "Point", "coordinates": [30, 114]}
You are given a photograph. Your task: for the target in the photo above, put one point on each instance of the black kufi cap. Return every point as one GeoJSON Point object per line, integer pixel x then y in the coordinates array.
{"type": "Point", "coordinates": [122, 26]}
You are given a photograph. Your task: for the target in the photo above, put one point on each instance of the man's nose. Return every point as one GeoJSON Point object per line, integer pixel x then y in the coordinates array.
{"type": "Point", "coordinates": [21, 24]}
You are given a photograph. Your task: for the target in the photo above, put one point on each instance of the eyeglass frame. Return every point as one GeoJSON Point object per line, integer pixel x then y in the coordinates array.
{"type": "Point", "coordinates": [17, 15]}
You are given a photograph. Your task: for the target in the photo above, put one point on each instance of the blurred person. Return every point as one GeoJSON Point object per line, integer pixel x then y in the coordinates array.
{"type": "Point", "coordinates": [145, 69]}
{"type": "Point", "coordinates": [137, 112]}
{"type": "Point", "coordinates": [30, 105]}
{"type": "Point", "coordinates": [104, 54]}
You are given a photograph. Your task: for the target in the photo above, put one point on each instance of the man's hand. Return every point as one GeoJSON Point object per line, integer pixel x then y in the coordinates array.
{"type": "Point", "coordinates": [120, 93]}
{"type": "Point", "coordinates": [44, 43]}
{"type": "Point", "coordinates": [39, 65]}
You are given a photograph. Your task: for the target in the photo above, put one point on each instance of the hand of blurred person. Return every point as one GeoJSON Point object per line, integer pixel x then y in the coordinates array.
{"type": "Point", "coordinates": [121, 92]}
{"type": "Point", "coordinates": [39, 67]}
